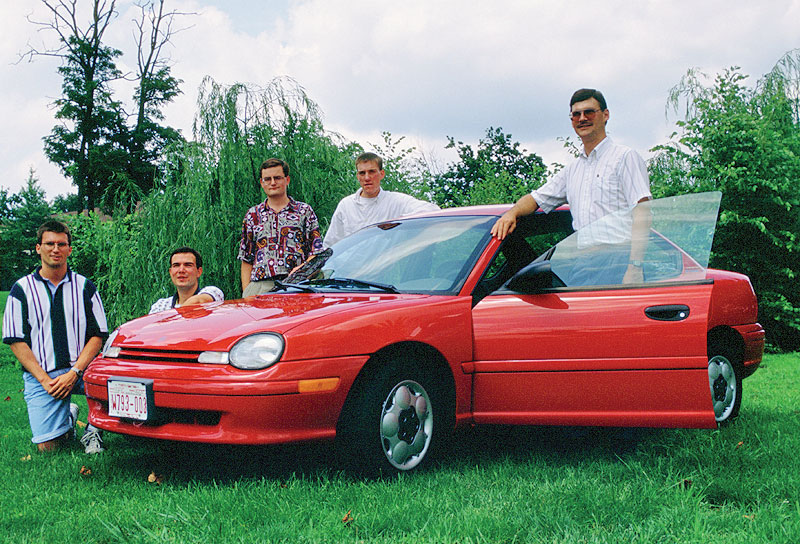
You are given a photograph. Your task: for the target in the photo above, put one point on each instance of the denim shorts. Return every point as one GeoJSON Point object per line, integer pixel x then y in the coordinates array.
{"type": "Point", "coordinates": [49, 417]}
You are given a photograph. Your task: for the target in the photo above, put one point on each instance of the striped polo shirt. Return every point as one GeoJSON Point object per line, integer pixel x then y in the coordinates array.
{"type": "Point", "coordinates": [55, 322]}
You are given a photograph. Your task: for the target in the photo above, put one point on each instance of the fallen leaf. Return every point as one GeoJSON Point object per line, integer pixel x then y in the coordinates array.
{"type": "Point", "coordinates": [80, 424]}
{"type": "Point", "coordinates": [686, 483]}
{"type": "Point", "coordinates": [739, 445]}
{"type": "Point", "coordinates": [8, 397]}
{"type": "Point", "coordinates": [86, 471]}
{"type": "Point", "coordinates": [26, 458]}
{"type": "Point", "coordinates": [749, 516]}
{"type": "Point", "coordinates": [154, 478]}
{"type": "Point", "coordinates": [348, 518]}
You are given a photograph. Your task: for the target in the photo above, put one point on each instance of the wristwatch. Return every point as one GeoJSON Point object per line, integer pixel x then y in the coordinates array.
{"type": "Point", "coordinates": [77, 371]}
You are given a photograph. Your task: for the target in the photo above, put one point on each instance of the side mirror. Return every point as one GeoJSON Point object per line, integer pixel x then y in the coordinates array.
{"type": "Point", "coordinates": [533, 277]}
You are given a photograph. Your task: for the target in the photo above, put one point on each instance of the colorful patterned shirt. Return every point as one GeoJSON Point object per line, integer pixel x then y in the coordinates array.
{"type": "Point", "coordinates": [276, 242]}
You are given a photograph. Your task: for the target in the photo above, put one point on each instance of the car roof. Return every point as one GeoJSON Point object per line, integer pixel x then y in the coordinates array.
{"type": "Point", "coordinates": [488, 210]}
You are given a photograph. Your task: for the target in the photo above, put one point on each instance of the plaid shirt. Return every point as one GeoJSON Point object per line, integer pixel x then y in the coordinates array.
{"type": "Point", "coordinates": [276, 242]}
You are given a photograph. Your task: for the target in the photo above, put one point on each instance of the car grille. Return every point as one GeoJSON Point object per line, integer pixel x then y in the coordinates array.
{"type": "Point", "coordinates": [158, 355]}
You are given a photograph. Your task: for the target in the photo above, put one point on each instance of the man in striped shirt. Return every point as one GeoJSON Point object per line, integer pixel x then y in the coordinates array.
{"type": "Point", "coordinates": [606, 177]}
{"type": "Point", "coordinates": [55, 324]}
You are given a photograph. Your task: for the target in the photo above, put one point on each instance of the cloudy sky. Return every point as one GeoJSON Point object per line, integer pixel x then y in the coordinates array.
{"type": "Point", "coordinates": [423, 69]}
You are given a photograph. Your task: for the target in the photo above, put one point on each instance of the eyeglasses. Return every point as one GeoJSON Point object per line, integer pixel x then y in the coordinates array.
{"type": "Point", "coordinates": [51, 245]}
{"type": "Point", "coordinates": [276, 178]}
{"type": "Point", "coordinates": [588, 113]}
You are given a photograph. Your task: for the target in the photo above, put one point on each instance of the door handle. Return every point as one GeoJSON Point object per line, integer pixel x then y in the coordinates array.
{"type": "Point", "coordinates": [668, 312]}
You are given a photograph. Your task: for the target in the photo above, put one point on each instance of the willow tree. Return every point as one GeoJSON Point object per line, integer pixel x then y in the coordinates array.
{"type": "Point", "coordinates": [208, 184]}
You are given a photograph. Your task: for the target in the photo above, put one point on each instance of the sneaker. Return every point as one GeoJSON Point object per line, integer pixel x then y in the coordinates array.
{"type": "Point", "coordinates": [92, 440]}
{"type": "Point", "coordinates": [73, 419]}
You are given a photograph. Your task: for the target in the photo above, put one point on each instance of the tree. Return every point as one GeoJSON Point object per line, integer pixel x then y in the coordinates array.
{"type": "Point", "coordinates": [85, 145]}
{"type": "Point", "coordinates": [499, 171]}
{"type": "Point", "coordinates": [744, 142]}
{"type": "Point", "coordinates": [111, 163]}
{"type": "Point", "coordinates": [22, 215]}
{"type": "Point", "coordinates": [156, 87]}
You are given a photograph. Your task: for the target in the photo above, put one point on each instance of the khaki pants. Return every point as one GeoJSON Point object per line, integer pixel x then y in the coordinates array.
{"type": "Point", "coordinates": [258, 288]}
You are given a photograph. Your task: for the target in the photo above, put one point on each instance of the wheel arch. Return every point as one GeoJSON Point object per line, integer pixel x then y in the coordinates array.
{"type": "Point", "coordinates": [424, 353]}
{"type": "Point", "coordinates": [726, 340]}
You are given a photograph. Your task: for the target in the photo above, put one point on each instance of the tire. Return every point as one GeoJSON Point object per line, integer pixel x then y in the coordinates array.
{"type": "Point", "coordinates": [725, 381]}
{"type": "Point", "coordinates": [396, 420]}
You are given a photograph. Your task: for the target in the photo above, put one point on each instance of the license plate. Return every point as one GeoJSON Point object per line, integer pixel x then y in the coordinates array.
{"type": "Point", "coordinates": [130, 399]}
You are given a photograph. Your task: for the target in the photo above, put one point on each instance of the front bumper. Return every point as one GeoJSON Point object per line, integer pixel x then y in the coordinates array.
{"type": "Point", "coordinates": [290, 402]}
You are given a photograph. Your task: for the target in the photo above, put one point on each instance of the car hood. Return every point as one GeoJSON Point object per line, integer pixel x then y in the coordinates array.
{"type": "Point", "coordinates": [217, 326]}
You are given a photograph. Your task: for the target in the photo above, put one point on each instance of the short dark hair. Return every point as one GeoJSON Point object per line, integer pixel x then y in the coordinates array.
{"type": "Point", "coordinates": [272, 163]}
{"type": "Point", "coordinates": [198, 260]}
{"type": "Point", "coordinates": [370, 157]}
{"type": "Point", "coordinates": [585, 94]}
{"type": "Point", "coordinates": [51, 225]}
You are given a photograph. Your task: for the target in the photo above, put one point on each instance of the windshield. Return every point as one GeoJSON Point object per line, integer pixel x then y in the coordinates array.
{"type": "Point", "coordinates": [669, 239]}
{"type": "Point", "coordinates": [422, 255]}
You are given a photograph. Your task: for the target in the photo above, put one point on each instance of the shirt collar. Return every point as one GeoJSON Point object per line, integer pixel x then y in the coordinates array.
{"type": "Point", "coordinates": [292, 206]}
{"type": "Point", "coordinates": [38, 276]}
{"type": "Point", "coordinates": [175, 296]}
{"type": "Point", "coordinates": [364, 200]}
{"type": "Point", "coordinates": [599, 148]}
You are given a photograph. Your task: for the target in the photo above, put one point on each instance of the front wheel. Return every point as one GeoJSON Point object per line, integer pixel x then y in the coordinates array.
{"type": "Point", "coordinates": [395, 420]}
{"type": "Point", "coordinates": [725, 381]}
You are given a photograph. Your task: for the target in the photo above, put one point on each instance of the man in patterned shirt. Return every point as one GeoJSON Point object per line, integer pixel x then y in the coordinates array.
{"type": "Point", "coordinates": [278, 235]}
{"type": "Point", "coordinates": [185, 269]}
{"type": "Point", "coordinates": [606, 177]}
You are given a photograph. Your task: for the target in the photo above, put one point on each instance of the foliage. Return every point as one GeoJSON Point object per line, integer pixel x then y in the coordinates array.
{"type": "Point", "coordinates": [112, 164]}
{"type": "Point", "coordinates": [209, 184]}
{"type": "Point", "coordinates": [22, 214]}
{"type": "Point", "coordinates": [744, 142]}
{"type": "Point", "coordinates": [498, 172]}
{"type": "Point", "coordinates": [87, 144]}
{"type": "Point", "coordinates": [67, 203]}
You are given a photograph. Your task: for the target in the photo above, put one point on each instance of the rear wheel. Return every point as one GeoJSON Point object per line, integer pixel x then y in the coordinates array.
{"type": "Point", "coordinates": [396, 419]}
{"type": "Point", "coordinates": [725, 381]}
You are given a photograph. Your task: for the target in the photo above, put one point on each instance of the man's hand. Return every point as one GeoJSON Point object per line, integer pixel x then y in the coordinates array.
{"type": "Point", "coordinates": [634, 274]}
{"type": "Point", "coordinates": [198, 299]}
{"type": "Point", "coordinates": [505, 225]}
{"type": "Point", "coordinates": [61, 387]}
{"type": "Point", "coordinates": [508, 221]}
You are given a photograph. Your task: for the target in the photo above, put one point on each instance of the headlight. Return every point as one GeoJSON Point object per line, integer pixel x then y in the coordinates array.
{"type": "Point", "coordinates": [108, 350]}
{"type": "Point", "coordinates": [257, 351]}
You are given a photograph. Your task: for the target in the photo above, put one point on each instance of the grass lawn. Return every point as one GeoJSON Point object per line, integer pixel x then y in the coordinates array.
{"type": "Point", "coordinates": [737, 484]}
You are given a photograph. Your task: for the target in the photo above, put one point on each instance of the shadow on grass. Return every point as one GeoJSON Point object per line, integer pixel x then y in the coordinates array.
{"type": "Point", "coordinates": [186, 462]}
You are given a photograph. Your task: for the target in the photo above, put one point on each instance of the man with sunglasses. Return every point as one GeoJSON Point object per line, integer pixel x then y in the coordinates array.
{"type": "Point", "coordinates": [606, 177]}
{"type": "Point", "coordinates": [55, 324]}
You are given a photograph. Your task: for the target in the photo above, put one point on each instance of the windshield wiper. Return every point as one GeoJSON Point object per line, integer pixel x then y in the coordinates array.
{"type": "Point", "coordinates": [350, 282]}
{"type": "Point", "coordinates": [285, 285]}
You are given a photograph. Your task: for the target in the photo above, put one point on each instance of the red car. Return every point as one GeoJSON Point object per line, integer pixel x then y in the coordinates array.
{"type": "Point", "coordinates": [411, 327]}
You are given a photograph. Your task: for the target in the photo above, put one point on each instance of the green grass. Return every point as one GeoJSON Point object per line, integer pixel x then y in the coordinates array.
{"type": "Point", "coordinates": [737, 484]}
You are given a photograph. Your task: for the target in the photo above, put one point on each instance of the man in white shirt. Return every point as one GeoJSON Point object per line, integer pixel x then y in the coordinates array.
{"type": "Point", "coordinates": [185, 269]}
{"type": "Point", "coordinates": [370, 204]}
{"type": "Point", "coordinates": [606, 177]}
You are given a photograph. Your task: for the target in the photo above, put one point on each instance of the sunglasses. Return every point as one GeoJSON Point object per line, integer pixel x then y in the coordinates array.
{"type": "Point", "coordinates": [588, 113]}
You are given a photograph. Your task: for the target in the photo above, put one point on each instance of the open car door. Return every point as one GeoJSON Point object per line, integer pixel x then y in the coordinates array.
{"type": "Point", "coordinates": [569, 340]}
